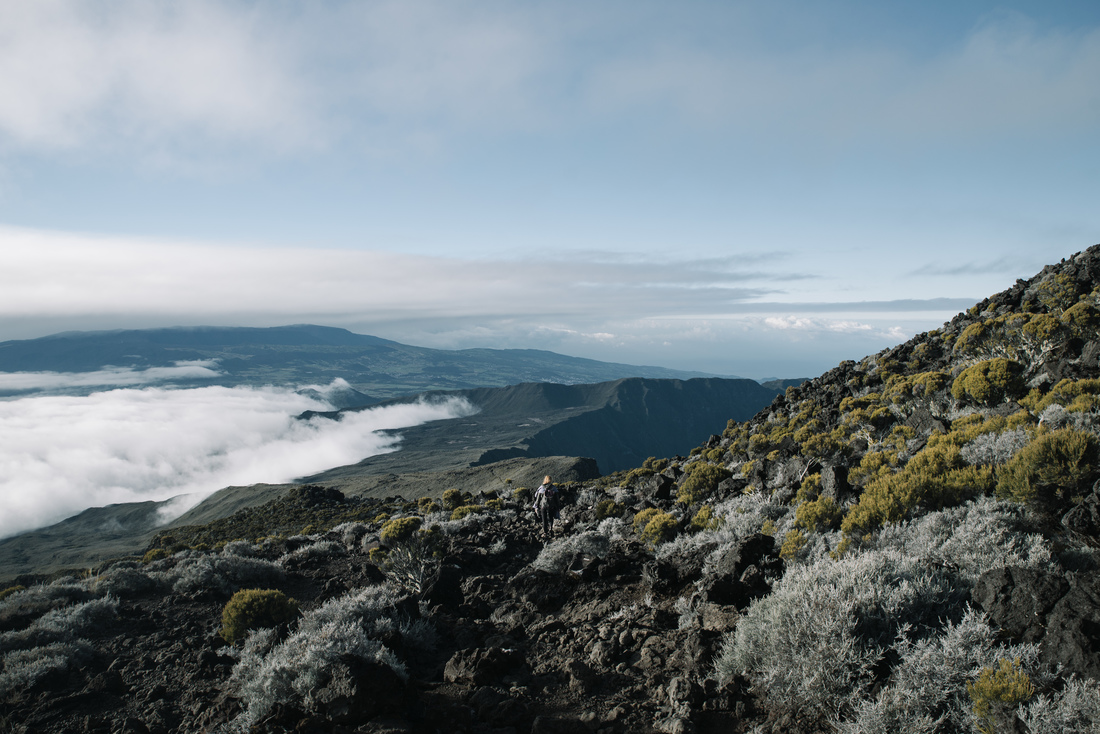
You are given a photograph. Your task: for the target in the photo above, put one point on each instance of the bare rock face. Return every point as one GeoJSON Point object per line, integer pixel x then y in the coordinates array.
{"type": "Point", "coordinates": [1059, 611]}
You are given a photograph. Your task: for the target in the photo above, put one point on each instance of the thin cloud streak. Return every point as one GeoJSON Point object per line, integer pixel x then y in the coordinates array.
{"type": "Point", "coordinates": [62, 454]}
{"type": "Point", "coordinates": [117, 376]}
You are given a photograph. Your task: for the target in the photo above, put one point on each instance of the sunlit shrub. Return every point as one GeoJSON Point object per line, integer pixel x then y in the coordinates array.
{"type": "Point", "coordinates": [989, 382]}
{"type": "Point", "coordinates": [818, 515]}
{"type": "Point", "coordinates": [556, 555]}
{"type": "Point", "coordinates": [837, 619]}
{"type": "Point", "coordinates": [642, 518]}
{"type": "Point", "coordinates": [704, 519]}
{"type": "Point", "coordinates": [251, 609]}
{"type": "Point", "coordinates": [154, 554]}
{"type": "Point", "coordinates": [700, 481]}
{"type": "Point", "coordinates": [452, 498]}
{"type": "Point", "coordinates": [1053, 469]}
{"type": "Point", "coordinates": [936, 477]}
{"type": "Point", "coordinates": [399, 530]}
{"type": "Point", "coordinates": [461, 513]}
{"type": "Point", "coordinates": [997, 693]}
{"type": "Point", "coordinates": [660, 529]}
{"type": "Point", "coordinates": [793, 543]}
{"type": "Point", "coordinates": [608, 508]}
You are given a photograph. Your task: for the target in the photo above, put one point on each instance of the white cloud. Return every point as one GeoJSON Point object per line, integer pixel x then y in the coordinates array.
{"type": "Point", "coordinates": [60, 455]}
{"type": "Point", "coordinates": [113, 376]}
{"type": "Point", "coordinates": [165, 79]}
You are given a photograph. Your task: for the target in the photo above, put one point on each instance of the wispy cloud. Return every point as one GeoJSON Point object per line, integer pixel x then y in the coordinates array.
{"type": "Point", "coordinates": [60, 455]}
{"type": "Point", "coordinates": [413, 74]}
{"type": "Point", "coordinates": [114, 376]}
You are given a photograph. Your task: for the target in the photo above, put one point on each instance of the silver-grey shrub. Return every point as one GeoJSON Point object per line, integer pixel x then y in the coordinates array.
{"type": "Point", "coordinates": [291, 671]}
{"type": "Point", "coordinates": [23, 668]}
{"type": "Point", "coordinates": [269, 672]}
{"type": "Point", "coordinates": [971, 539]}
{"type": "Point", "coordinates": [198, 572]}
{"type": "Point", "coordinates": [239, 548]}
{"type": "Point", "coordinates": [556, 555]}
{"type": "Point", "coordinates": [123, 580]}
{"type": "Point", "coordinates": [996, 448]}
{"type": "Point", "coordinates": [39, 599]}
{"type": "Point", "coordinates": [810, 645]}
{"type": "Point", "coordinates": [927, 690]}
{"type": "Point", "coordinates": [321, 549]}
{"type": "Point", "coordinates": [64, 624]}
{"type": "Point", "coordinates": [1073, 710]}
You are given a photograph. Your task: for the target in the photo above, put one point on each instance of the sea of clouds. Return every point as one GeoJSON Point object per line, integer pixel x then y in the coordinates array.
{"type": "Point", "coordinates": [61, 454]}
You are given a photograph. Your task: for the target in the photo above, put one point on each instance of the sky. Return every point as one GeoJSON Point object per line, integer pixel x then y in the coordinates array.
{"type": "Point", "coordinates": [747, 188]}
{"type": "Point", "coordinates": [744, 188]}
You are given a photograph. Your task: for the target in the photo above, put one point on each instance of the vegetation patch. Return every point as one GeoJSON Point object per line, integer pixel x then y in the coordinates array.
{"type": "Point", "coordinates": [251, 609]}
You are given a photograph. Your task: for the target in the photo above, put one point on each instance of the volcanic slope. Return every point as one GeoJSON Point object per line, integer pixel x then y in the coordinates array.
{"type": "Point", "coordinates": [907, 543]}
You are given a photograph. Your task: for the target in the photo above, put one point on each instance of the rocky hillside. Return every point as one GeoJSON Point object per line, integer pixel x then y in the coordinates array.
{"type": "Point", "coordinates": [907, 543]}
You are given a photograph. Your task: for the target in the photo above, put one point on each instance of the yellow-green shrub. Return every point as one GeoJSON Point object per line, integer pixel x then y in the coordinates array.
{"type": "Point", "coordinates": [936, 477]}
{"type": "Point", "coordinates": [521, 494]}
{"type": "Point", "coordinates": [989, 382]}
{"type": "Point", "coordinates": [768, 528]}
{"type": "Point", "coordinates": [810, 488]}
{"type": "Point", "coordinates": [452, 498]}
{"type": "Point", "coordinates": [1054, 468]}
{"type": "Point", "coordinates": [793, 542]}
{"type": "Point", "coordinates": [704, 519]}
{"type": "Point", "coordinates": [251, 609]}
{"type": "Point", "coordinates": [701, 479]}
{"type": "Point", "coordinates": [818, 514]}
{"type": "Point", "coordinates": [494, 504]}
{"type": "Point", "coordinates": [999, 690]}
{"type": "Point", "coordinates": [378, 556]}
{"type": "Point", "coordinates": [399, 529]}
{"type": "Point", "coordinates": [608, 508]}
{"type": "Point", "coordinates": [154, 554]}
{"type": "Point", "coordinates": [1073, 395]}
{"type": "Point", "coordinates": [1082, 317]}
{"type": "Point", "coordinates": [661, 528]}
{"type": "Point", "coordinates": [465, 511]}
{"type": "Point", "coordinates": [642, 518]}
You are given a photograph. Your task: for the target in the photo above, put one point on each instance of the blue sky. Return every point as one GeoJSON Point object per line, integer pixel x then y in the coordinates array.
{"type": "Point", "coordinates": [751, 188]}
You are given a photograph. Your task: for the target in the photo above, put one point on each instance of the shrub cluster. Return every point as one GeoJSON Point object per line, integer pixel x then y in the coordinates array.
{"type": "Point", "coordinates": [251, 609]}
{"type": "Point", "coordinates": [700, 480]}
{"type": "Point", "coordinates": [990, 382]}
{"type": "Point", "coordinates": [1053, 469]}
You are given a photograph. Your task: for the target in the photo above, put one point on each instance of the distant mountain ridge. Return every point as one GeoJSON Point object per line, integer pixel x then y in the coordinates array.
{"type": "Point", "coordinates": [376, 368]}
{"type": "Point", "coordinates": [618, 423]}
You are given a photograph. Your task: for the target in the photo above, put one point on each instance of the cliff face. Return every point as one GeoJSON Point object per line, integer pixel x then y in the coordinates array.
{"type": "Point", "coordinates": [907, 543]}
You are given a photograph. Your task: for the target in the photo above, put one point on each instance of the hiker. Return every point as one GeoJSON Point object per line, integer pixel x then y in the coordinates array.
{"type": "Point", "coordinates": [546, 504]}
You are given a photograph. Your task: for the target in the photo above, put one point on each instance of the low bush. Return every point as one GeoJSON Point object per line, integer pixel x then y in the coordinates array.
{"type": "Point", "coordinates": [1052, 470]}
{"type": "Point", "coordinates": [1073, 710]}
{"type": "Point", "coordinates": [154, 554]}
{"type": "Point", "coordinates": [461, 513]}
{"type": "Point", "coordinates": [934, 478]}
{"type": "Point", "coordinates": [999, 690]}
{"type": "Point", "coordinates": [556, 555]}
{"type": "Point", "coordinates": [704, 519]}
{"type": "Point", "coordinates": [661, 528]}
{"type": "Point", "coordinates": [793, 543]}
{"type": "Point", "coordinates": [251, 609]}
{"type": "Point", "coordinates": [608, 508]}
{"type": "Point", "coordinates": [990, 382]}
{"type": "Point", "coordinates": [700, 480]}
{"type": "Point", "coordinates": [817, 515]}
{"type": "Point", "coordinates": [642, 518]}
{"type": "Point", "coordinates": [837, 620]}
{"type": "Point", "coordinates": [399, 530]}
{"type": "Point", "coordinates": [21, 669]}
{"type": "Point", "coordinates": [452, 499]}
{"type": "Point", "coordinates": [11, 590]}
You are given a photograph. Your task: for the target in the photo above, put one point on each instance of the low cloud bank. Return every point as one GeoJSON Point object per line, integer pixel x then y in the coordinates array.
{"type": "Point", "coordinates": [60, 455]}
{"type": "Point", "coordinates": [108, 376]}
